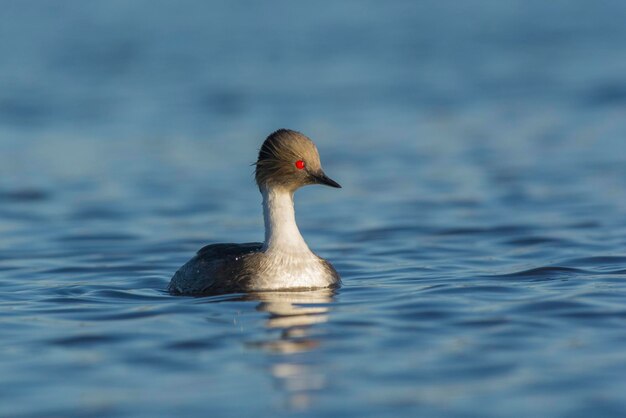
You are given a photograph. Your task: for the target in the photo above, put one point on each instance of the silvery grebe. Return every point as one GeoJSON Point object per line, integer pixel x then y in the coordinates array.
{"type": "Point", "coordinates": [287, 161]}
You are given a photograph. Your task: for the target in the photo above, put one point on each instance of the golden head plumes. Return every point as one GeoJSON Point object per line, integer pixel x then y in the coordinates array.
{"type": "Point", "coordinates": [288, 159]}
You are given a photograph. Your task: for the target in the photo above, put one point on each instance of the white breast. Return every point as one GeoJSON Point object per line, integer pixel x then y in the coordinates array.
{"type": "Point", "coordinates": [291, 271]}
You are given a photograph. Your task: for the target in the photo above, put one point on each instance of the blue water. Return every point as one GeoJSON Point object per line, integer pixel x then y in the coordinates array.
{"type": "Point", "coordinates": [480, 233]}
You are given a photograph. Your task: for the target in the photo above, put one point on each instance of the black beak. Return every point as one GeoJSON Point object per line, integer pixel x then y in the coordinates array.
{"type": "Point", "coordinates": [322, 178]}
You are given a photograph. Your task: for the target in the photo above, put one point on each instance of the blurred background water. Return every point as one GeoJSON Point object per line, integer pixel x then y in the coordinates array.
{"type": "Point", "coordinates": [480, 233]}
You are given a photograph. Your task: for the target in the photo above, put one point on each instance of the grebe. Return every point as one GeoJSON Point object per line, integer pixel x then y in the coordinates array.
{"type": "Point", "coordinates": [287, 161]}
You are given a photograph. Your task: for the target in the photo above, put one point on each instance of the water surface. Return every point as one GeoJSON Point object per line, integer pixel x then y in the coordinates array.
{"type": "Point", "coordinates": [480, 233]}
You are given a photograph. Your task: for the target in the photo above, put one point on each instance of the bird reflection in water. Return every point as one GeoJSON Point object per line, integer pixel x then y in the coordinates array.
{"type": "Point", "coordinates": [294, 314]}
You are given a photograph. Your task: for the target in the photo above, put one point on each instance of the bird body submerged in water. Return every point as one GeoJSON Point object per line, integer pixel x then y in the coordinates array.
{"type": "Point", "coordinates": [287, 161]}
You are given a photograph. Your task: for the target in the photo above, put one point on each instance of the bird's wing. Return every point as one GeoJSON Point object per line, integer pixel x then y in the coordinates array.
{"type": "Point", "coordinates": [228, 250]}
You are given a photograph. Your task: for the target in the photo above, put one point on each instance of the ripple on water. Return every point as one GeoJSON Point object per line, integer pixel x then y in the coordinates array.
{"type": "Point", "coordinates": [99, 237]}
{"type": "Point", "coordinates": [86, 340]}
{"type": "Point", "coordinates": [541, 273]}
{"type": "Point", "coordinates": [24, 195]}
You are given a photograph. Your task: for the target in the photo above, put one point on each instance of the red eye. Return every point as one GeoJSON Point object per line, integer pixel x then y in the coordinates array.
{"type": "Point", "coordinates": [299, 164]}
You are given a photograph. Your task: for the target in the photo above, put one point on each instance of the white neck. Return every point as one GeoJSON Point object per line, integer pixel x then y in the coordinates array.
{"type": "Point", "coordinates": [281, 232]}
